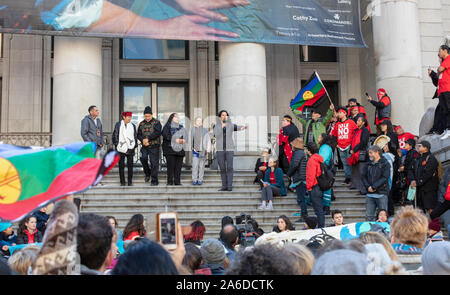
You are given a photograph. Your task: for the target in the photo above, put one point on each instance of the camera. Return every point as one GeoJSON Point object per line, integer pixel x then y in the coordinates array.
{"type": "Point", "coordinates": [246, 229]}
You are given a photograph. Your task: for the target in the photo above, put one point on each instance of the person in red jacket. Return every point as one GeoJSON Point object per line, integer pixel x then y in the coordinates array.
{"type": "Point", "coordinates": [402, 138]}
{"type": "Point", "coordinates": [344, 131]}
{"type": "Point", "coordinates": [383, 106]}
{"type": "Point", "coordinates": [313, 171]}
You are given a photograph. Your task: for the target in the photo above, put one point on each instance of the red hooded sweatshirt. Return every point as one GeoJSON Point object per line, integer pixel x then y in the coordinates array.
{"type": "Point", "coordinates": [313, 171]}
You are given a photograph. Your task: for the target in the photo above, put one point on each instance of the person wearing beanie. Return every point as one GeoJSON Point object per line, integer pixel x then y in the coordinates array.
{"type": "Point", "coordinates": [383, 108]}
{"type": "Point", "coordinates": [125, 140]}
{"type": "Point", "coordinates": [344, 131]}
{"type": "Point", "coordinates": [149, 134]}
{"type": "Point", "coordinates": [426, 178]}
{"type": "Point", "coordinates": [214, 258]}
{"type": "Point", "coordinates": [341, 262]}
{"type": "Point", "coordinates": [7, 238]}
{"type": "Point", "coordinates": [436, 259]}
{"type": "Point", "coordinates": [434, 232]}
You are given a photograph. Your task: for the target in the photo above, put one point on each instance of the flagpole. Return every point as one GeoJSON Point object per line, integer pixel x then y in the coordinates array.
{"type": "Point", "coordinates": [324, 87]}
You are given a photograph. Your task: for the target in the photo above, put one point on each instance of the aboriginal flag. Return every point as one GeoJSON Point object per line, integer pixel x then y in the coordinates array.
{"type": "Point", "coordinates": [31, 178]}
{"type": "Point", "coordinates": [311, 95]}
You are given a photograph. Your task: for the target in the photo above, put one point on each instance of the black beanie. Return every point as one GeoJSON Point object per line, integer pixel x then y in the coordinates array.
{"type": "Point", "coordinates": [148, 110]}
{"type": "Point", "coordinates": [411, 142]}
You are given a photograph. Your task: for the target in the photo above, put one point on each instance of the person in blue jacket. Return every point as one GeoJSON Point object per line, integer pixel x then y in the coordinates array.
{"type": "Point", "coordinates": [273, 184]}
{"type": "Point", "coordinates": [7, 238]}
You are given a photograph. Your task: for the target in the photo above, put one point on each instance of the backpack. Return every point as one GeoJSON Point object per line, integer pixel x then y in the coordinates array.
{"type": "Point", "coordinates": [326, 179]}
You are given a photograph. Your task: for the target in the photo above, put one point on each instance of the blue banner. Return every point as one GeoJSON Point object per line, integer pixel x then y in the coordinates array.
{"type": "Point", "coordinates": [306, 22]}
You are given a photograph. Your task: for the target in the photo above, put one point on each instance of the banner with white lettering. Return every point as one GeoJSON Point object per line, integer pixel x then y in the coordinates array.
{"type": "Point", "coordinates": [307, 22]}
{"type": "Point", "coordinates": [342, 232]}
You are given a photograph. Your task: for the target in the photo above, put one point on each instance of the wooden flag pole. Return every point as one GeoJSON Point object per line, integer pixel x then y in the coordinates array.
{"type": "Point", "coordinates": [331, 103]}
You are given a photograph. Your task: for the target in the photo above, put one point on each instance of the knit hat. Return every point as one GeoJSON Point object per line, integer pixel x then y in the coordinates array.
{"type": "Point", "coordinates": [341, 262]}
{"type": "Point", "coordinates": [213, 252]}
{"type": "Point", "coordinates": [4, 225]}
{"type": "Point", "coordinates": [435, 224]}
{"type": "Point", "coordinates": [436, 259]}
{"type": "Point", "coordinates": [352, 100]}
{"type": "Point", "coordinates": [148, 110]}
{"type": "Point", "coordinates": [382, 90]}
{"type": "Point", "coordinates": [411, 142]}
{"type": "Point", "coordinates": [58, 255]}
{"type": "Point", "coordinates": [378, 258]}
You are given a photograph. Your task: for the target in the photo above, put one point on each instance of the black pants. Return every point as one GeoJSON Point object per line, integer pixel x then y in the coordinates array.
{"type": "Point", "coordinates": [153, 169]}
{"type": "Point", "coordinates": [259, 177]}
{"type": "Point", "coordinates": [225, 161]}
{"type": "Point", "coordinates": [440, 121]}
{"type": "Point", "coordinates": [174, 164]}
{"type": "Point", "coordinates": [440, 209]}
{"type": "Point", "coordinates": [129, 158]}
{"type": "Point", "coordinates": [444, 101]}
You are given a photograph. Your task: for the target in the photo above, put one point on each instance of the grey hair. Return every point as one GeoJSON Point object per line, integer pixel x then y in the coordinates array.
{"type": "Point", "coordinates": [376, 149]}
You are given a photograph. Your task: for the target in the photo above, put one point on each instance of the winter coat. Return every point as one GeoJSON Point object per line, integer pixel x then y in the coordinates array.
{"type": "Point", "coordinates": [89, 130]}
{"type": "Point", "coordinates": [297, 167]}
{"type": "Point", "coordinates": [41, 218]}
{"type": "Point", "coordinates": [377, 176]}
{"type": "Point", "coordinates": [150, 130]}
{"type": "Point", "coordinates": [7, 240]}
{"type": "Point", "coordinates": [260, 163]}
{"type": "Point", "coordinates": [410, 163]}
{"type": "Point", "coordinates": [279, 178]}
{"type": "Point", "coordinates": [115, 137]}
{"type": "Point", "coordinates": [205, 144]}
{"type": "Point", "coordinates": [383, 109]}
{"type": "Point", "coordinates": [22, 238]}
{"type": "Point", "coordinates": [426, 173]}
{"type": "Point", "coordinates": [318, 127]}
{"type": "Point", "coordinates": [313, 171]}
{"type": "Point", "coordinates": [171, 132]}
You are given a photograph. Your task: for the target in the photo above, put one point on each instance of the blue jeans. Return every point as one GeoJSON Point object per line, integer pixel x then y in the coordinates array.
{"type": "Point", "coordinates": [300, 190]}
{"type": "Point", "coordinates": [344, 156]}
{"type": "Point", "coordinates": [372, 204]}
{"type": "Point", "coordinates": [316, 200]}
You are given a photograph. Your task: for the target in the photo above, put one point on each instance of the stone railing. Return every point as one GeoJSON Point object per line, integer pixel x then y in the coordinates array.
{"type": "Point", "coordinates": [27, 139]}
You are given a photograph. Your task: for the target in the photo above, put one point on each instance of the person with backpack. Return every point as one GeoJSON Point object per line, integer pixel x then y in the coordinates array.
{"type": "Point", "coordinates": [326, 151]}
{"type": "Point", "coordinates": [426, 178]}
{"type": "Point", "coordinates": [376, 181]}
{"type": "Point", "coordinates": [297, 171]}
{"type": "Point", "coordinates": [313, 171]}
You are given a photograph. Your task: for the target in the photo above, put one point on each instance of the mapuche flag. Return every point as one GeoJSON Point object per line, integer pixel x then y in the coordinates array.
{"type": "Point", "coordinates": [311, 95]}
{"type": "Point", "coordinates": [31, 178]}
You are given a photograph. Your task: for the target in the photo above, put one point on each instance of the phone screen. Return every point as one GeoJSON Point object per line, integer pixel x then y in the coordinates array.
{"type": "Point", "coordinates": [168, 231]}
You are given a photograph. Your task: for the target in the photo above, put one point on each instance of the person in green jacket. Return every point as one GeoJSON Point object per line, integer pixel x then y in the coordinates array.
{"type": "Point", "coordinates": [315, 126]}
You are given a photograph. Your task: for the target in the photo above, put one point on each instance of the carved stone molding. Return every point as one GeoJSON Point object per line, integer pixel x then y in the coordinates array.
{"type": "Point", "coordinates": [154, 69]}
{"type": "Point", "coordinates": [27, 139]}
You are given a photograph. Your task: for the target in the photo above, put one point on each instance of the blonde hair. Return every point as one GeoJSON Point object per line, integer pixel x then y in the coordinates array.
{"type": "Point", "coordinates": [22, 259]}
{"type": "Point", "coordinates": [377, 238]}
{"type": "Point", "coordinates": [409, 226]}
{"type": "Point", "coordinates": [304, 258]}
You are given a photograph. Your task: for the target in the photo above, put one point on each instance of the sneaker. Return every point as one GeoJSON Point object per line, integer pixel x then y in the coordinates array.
{"type": "Point", "coordinates": [269, 207]}
{"type": "Point", "coordinates": [326, 210]}
{"type": "Point", "coordinates": [223, 190]}
{"type": "Point", "coordinates": [147, 178]}
{"type": "Point", "coordinates": [199, 183]}
{"type": "Point", "coordinates": [262, 207]}
{"type": "Point", "coordinates": [445, 135]}
{"type": "Point", "coordinates": [194, 183]}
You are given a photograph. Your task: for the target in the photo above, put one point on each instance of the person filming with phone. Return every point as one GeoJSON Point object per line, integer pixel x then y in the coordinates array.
{"type": "Point", "coordinates": [383, 107]}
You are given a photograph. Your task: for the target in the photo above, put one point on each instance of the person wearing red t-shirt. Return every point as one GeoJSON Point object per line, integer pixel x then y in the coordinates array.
{"type": "Point", "coordinates": [383, 106]}
{"type": "Point", "coordinates": [443, 73]}
{"type": "Point", "coordinates": [354, 108]}
{"type": "Point", "coordinates": [344, 130]}
{"type": "Point", "coordinates": [402, 138]}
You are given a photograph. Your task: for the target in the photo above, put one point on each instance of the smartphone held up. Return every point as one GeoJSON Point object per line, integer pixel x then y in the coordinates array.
{"type": "Point", "coordinates": [166, 229]}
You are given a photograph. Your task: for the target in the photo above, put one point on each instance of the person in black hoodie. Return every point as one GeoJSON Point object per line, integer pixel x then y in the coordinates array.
{"type": "Point", "coordinates": [297, 171]}
{"type": "Point", "coordinates": [42, 218]}
{"type": "Point", "coordinates": [28, 233]}
{"type": "Point", "coordinates": [174, 139]}
{"type": "Point", "coordinates": [261, 166]}
{"type": "Point", "coordinates": [426, 178]}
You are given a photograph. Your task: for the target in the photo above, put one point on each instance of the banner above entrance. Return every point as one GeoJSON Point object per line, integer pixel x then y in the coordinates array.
{"type": "Point", "coordinates": [306, 22]}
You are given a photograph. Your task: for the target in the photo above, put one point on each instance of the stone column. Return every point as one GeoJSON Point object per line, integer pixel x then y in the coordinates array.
{"type": "Point", "coordinates": [396, 35]}
{"type": "Point", "coordinates": [243, 93]}
{"type": "Point", "coordinates": [77, 84]}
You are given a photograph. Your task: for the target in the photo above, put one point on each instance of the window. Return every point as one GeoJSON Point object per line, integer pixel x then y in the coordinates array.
{"type": "Point", "coordinates": [154, 49]}
{"type": "Point", "coordinates": [318, 54]}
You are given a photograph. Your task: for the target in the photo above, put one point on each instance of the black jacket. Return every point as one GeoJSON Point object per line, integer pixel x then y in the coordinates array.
{"type": "Point", "coordinates": [364, 140]}
{"type": "Point", "coordinates": [435, 79]}
{"type": "Point", "coordinates": [41, 219]}
{"type": "Point", "coordinates": [291, 131]}
{"type": "Point", "coordinates": [170, 134]}
{"type": "Point", "coordinates": [115, 137]}
{"type": "Point", "coordinates": [410, 163]}
{"type": "Point", "coordinates": [258, 164]}
{"type": "Point", "coordinates": [426, 173]}
{"type": "Point", "coordinates": [150, 130]}
{"type": "Point", "coordinates": [297, 167]}
{"type": "Point", "coordinates": [22, 238]}
{"type": "Point", "coordinates": [377, 176]}
{"type": "Point", "coordinates": [393, 145]}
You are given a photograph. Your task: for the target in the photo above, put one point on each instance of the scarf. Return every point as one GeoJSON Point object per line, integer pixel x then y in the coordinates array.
{"type": "Point", "coordinates": [354, 158]}
{"type": "Point", "coordinates": [126, 138]}
{"type": "Point", "coordinates": [58, 255]}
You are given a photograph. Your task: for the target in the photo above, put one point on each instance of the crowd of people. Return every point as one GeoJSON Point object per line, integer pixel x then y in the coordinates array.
{"type": "Point", "coordinates": [92, 245]}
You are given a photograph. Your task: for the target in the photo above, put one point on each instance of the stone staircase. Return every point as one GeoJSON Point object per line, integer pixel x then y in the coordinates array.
{"type": "Point", "coordinates": [205, 202]}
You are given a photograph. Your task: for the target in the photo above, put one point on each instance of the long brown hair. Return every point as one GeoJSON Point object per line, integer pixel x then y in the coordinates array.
{"type": "Point", "coordinates": [136, 223]}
